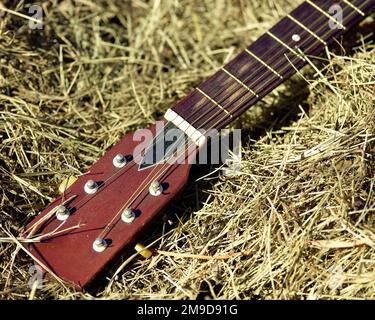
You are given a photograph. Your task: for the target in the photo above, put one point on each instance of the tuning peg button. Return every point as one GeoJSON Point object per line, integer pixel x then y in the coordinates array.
{"type": "Point", "coordinates": [156, 189]}
{"type": "Point", "coordinates": [99, 245]}
{"type": "Point", "coordinates": [62, 213]}
{"type": "Point", "coordinates": [128, 215]}
{"type": "Point", "coordinates": [91, 187]}
{"type": "Point", "coordinates": [143, 251]}
{"type": "Point", "coordinates": [119, 161]}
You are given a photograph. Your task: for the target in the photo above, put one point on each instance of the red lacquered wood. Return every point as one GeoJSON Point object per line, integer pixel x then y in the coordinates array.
{"type": "Point", "coordinates": [70, 255]}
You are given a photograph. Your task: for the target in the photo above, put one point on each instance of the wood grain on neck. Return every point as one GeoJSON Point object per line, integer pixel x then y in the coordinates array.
{"type": "Point", "coordinates": [265, 64]}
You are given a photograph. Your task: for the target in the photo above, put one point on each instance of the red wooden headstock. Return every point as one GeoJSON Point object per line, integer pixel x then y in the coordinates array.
{"type": "Point", "coordinates": [66, 247]}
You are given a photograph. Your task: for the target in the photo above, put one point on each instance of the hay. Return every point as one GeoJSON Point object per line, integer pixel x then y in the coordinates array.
{"type": "Point", "coordinates": [297, 223]}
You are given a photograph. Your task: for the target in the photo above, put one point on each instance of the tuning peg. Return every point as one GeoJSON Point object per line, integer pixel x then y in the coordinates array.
{"type": "Point", "coordinates": [119, 160]}
{"type": "Point", "coordinates": [143, 251]}
{"type": "Point", "coordinates": [156, 189]}
{"type": "Point", "coordinates": [128, 215]}
{"type": "Point", "coordinates": [99, 245]}
{"type": "Point", "coordinates": [91, 187]}
{"type": "Point", "coordinates": [62, 213]}
{"type": "Point", "coordinates": [66, 183]}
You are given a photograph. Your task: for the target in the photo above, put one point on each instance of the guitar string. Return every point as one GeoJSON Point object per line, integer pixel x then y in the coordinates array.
{"type": "Point", "coordinates": [254, 74]}
{"type": "Point", "coordinates": [135, 196]}
{"type": "Point", "coordinates": [244, 103]}
{"type": "Point", "coordinates": [129, 168]}
{"type": "Point", "coordinates": [241, 95]}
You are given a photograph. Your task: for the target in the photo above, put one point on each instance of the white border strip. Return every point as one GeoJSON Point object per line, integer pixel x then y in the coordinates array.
{"type": "Point", "coordinates": [195, 135]}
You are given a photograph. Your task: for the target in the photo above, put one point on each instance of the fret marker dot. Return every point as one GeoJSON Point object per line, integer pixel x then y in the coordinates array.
{"type": "Point", "coordinates": [296, 37]}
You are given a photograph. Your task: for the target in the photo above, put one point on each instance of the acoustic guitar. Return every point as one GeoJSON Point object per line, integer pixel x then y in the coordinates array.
{"type": "Point", "coordinates": [105, 210]}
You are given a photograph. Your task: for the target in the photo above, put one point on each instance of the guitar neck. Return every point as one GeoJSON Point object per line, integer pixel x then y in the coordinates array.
{"type": "Point", "coordinates": [110, 206]}
{"type": "Point", "coordinates": [273, 58]}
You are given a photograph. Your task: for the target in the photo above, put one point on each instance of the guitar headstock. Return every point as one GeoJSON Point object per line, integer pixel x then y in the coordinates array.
{"type": "Point", "coordinates": [105, 210]}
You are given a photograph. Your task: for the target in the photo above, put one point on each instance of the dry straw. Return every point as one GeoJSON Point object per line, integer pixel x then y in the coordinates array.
{"type": "Point", "coordinates": [297, 223]}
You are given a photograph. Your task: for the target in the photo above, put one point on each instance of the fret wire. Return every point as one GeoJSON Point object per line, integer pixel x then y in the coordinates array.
{"type": "Point", "coordinates": [162, 172]}
{"type": "Point", "coordinates": [242, 83]}
{"type": "Point", "coordinates": [285, 45]}
{"type": "Point", "coordinates": [215, 102]}
{"type": "Point", "coordinates": [354, 7]}
{"type": "Point", "coordinates": [306, 28]}
{"type": "Point", "coordinates": [264, 63]}
{"type": "Point", "coordinates": [325, 13]}
{"type": "Point", "coordinates": [297, 54]}
{"type": "Point", "coordinates": [239, 81]}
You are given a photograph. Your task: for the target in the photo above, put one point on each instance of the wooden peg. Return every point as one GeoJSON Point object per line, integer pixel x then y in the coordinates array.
{"type": "Point", "coordinates": [143, 251]}
{"type": "Point", "coordinates": [66, 183]}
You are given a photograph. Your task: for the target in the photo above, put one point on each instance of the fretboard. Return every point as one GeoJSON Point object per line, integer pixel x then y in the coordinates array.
{"type": "Point", "coordinates": [270, 60]}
